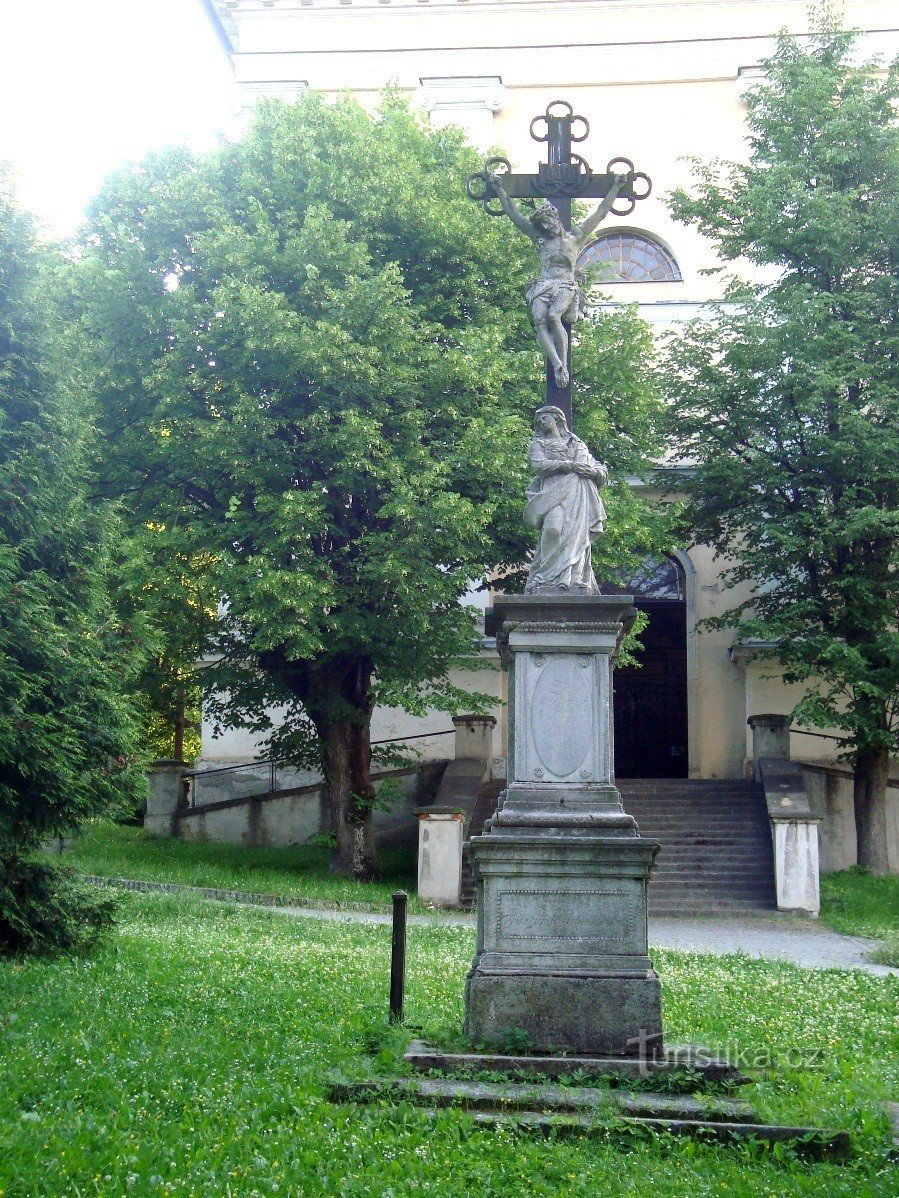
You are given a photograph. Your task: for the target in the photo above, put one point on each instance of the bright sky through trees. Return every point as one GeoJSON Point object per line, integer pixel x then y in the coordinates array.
{"type": "Point", "coordinates": [87, 85]}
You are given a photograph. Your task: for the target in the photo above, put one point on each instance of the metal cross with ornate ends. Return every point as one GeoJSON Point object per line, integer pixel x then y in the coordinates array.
{"type": "Point", "coordinates": [556, 296]}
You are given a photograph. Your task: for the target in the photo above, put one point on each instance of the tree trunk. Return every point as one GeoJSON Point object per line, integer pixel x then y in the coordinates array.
{"type": "Point", "coordinates": [870, 799]}
{"type": "Point", "coordinates": [346, 749]}
{"type": "Point", "coordinates": [339, 703]}
{"type": "Point", "coordinates": [180, 719]}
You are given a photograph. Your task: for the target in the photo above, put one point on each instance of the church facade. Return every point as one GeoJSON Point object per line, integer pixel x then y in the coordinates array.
{"type": "Point", "coordinates": [658, 80]}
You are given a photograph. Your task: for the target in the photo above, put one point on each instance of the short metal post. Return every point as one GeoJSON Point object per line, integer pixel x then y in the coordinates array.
{"type": "Point", "coordinates": [398, 956]}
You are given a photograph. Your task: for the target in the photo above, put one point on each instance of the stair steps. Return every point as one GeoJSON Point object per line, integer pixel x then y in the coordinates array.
{"type": "Point", "coordinates": [716, 856]}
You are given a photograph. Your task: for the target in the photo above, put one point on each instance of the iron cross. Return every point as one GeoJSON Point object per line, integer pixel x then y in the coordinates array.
{"type": "Point", "coordinates": [565, 176]}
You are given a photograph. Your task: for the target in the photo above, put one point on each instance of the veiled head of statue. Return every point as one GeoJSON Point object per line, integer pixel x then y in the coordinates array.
{"type": "Point", "coordinates": [548, 415]}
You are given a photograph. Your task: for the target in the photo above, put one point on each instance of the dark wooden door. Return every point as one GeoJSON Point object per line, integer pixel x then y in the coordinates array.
{"type": "Point", "coordinates": [650, 701]}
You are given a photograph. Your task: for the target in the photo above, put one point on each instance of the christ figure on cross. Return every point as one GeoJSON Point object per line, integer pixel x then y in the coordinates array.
{"type": "Point", "coordinates": [556, 296]}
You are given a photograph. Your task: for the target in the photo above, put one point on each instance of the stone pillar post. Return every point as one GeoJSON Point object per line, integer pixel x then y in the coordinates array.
{"type": "Point", "coordinates": [770, 738]}
{"type": "Point", "coordinates": [561, 869]}
{"type": "Point", "coordinates": [474, 740]}
{"type": "Point", "coordinates": [796, 865]}
{"type": "Point", "coordinates": [440, 831]}
{"type": "Point", "coordinates": [468, 101]}
{"type": "Point", "coordinates": [164, 777]}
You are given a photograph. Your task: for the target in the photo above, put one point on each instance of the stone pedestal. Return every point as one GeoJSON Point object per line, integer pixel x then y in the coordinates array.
{"type": "Point", "coordinates": [440, 855]}
{"type": "Point", "coordinates": [561, 868]}
{"type": "Point", "coordinates": [474, 740]}
{"type": "Point", "coordinates": [770, 738]}
{"type": "Point", "coordinates": [164, 777]}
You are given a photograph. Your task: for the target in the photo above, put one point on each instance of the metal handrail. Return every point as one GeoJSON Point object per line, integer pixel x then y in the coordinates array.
{"type": "Point", "coordinates": [820, 735]}
{"type": "Point", "coordinates": [245, 765]}
{"type": "Point", "coordinates": [188, 778]}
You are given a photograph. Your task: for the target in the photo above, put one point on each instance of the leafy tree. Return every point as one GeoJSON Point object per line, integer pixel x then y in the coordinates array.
{"type": "Point", "coordinates": [786, 400]}
{"type": "Point", "coordinates": [314, 370]}
{"type": "Point", "coordinates": [66, 734]}
{"type": "Point", "coordinates": [166, 588]}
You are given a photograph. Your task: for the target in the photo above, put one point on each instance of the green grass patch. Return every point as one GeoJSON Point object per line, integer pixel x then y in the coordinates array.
{"type": "Point", "coordinates": [857, 902]}
{"type": "Point", "coordinates": [301, 874]}
{"type": "Point", "coordinates": [888, 953]}
{"type": "Point", "coordinates": [189, 1057]}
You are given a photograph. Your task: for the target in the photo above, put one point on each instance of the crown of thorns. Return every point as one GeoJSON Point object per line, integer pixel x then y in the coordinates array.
{"type": "Point", "coordinates": [543, 209]}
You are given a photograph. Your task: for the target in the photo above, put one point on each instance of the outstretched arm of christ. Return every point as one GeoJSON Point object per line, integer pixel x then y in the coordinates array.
{"type": "Point", "coordinates": [600, 213]}
{"type": "Point", "coordinates": [514, 213]}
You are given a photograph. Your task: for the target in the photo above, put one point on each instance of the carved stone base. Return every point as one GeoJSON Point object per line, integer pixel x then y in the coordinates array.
{"type": "Point", "coordinates": [561, 869]}
{"type": "Point", "coordinates": [619, 1017]}
{"type": "Point", "coordinates": [562, 948]}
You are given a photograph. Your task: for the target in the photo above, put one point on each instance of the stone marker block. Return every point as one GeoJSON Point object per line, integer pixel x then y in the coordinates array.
{"type": "Point", "coordinates": [440, 856]}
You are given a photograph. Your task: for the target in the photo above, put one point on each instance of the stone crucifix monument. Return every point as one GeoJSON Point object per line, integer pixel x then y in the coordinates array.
{"type": "Point", "coordinates": [561, 868]}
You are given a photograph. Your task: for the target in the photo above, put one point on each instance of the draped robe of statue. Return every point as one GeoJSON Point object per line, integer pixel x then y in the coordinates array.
{"type": "Point", "coordinates": [564, 505]}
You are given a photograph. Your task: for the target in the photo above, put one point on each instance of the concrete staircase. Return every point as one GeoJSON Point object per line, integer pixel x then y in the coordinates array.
{"type": "Point", "coordinates": [716, 855]}
{"type": "Point", "coordinates": [485, 806]}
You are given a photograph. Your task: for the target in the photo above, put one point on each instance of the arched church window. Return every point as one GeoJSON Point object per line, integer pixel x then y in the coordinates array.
{"type": "Point", "coordinates": [654, 578]}
{"type": "Point", "coordinates": [624, 256]}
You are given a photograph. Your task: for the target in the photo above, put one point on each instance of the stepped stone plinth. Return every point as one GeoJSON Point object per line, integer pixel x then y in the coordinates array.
{"type": "Point", "coordinates": [561, 869]}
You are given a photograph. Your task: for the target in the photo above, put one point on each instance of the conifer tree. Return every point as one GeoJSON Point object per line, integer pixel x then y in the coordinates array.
{"type": "Point", "coordinates": [66, 733]}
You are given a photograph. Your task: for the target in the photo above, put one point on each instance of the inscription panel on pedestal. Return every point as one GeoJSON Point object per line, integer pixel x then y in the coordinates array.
{"type": "Point", "coordinates": [561, 708]}
{"type": "Point", "coordinates": [584, 919]}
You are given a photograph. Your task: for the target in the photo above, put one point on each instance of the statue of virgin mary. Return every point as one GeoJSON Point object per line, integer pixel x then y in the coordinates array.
{"type": "Point", "coordinates": [564, 505]}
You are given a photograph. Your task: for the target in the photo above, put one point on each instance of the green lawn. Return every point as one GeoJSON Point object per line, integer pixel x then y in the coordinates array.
{"type": "Point", "coordinates": [188, 1057]}
{"type": "Point", "coordinates": [110, 850]}
{"type": "Point", "coordinates": [856, 902]}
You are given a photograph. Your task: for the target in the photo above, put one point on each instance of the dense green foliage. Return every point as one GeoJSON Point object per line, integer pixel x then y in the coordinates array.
{"type": "Point", "coordinates": [786, 399]}
{"type": "Point", "coordinates": [66, 734]}
{"type": "Point", "coordinates": [314, 372]}
{"type": "Point", "coordinates": [215, 1081]}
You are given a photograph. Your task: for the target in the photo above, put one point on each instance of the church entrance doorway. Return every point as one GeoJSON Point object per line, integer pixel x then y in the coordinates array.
{"type": "Point", "coordinates": [650, 700]}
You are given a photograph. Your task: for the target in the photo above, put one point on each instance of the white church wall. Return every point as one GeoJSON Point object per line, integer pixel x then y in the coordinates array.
{"type": "Point", "coordinates": [434, 731]}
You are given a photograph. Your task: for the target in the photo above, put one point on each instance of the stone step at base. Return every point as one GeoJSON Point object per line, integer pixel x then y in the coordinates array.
{"type": "Point", "coordinates": [511, 1096]}
{"type": "Point", "coordinates": [813, 1142]}
{"type": "Point", "coordinates": [685, 1061]}
{"type": "Point", "coordinates": [583, 1110]}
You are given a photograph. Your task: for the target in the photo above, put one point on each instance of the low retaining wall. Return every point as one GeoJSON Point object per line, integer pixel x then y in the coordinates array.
{"type": "Point", "coordinates": [829, 790]}
{"type": "Point", "coordinates": [294, 816]}
{"type": "Point", "coordinates": [284, 818]}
